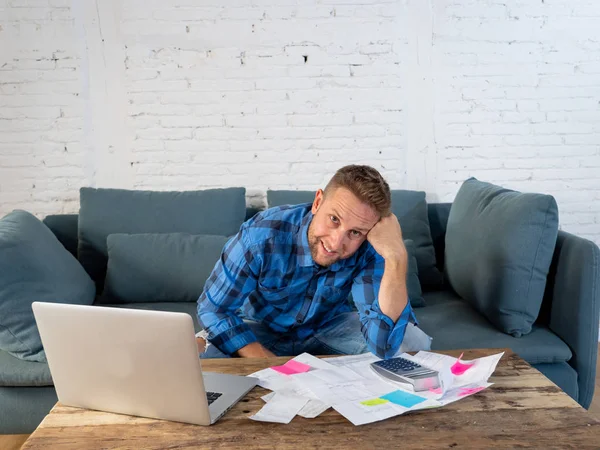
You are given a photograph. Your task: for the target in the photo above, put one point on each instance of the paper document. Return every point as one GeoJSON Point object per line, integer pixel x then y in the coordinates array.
{"type": "Point", "coordinates": [312, 409]}
{"type": "Point", "coordinates": [313, 361]}
{"type": "Point", "coordinates": [479, 369]}
{"type": "Point", "coordinates": [307, 386]}
{"type": "Point", "coordinates": [281, 408]}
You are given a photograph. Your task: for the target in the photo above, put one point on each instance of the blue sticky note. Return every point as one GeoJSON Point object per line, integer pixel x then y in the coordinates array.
{"type": "Point", "coordinates": [403, 398]}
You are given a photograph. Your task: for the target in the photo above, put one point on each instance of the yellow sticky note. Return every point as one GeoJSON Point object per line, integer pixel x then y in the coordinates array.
{"type": "Point", "coordinates": [374, 402]}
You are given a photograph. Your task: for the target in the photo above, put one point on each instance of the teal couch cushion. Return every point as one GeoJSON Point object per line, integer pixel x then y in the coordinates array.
{"type": "Point", "coordinates": [453, 323]}
{"type": "Point", "coordinates": [499, 246]}
{"type": "Point", "coordinates": [34, 266]}
{"type": "Point", "coordinates": [413, 285]}
{"type": "Point", "coordinates": [18, 372]}
{"type": "Point", "coordinates": [23, 408]}
{"type": "Point", "coordinates": [110, 211]}
{"type": "Point", "coordinates": [170, 267]}
{"type": "Point", "coordinates": [64, 227]}
{"type": "Point", "coordinates": [411, 209]}
{"type": "Point", "coordinates": [563, 375]}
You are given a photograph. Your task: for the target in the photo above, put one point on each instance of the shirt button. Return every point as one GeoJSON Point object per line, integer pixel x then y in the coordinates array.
{"type": "Point", "coordinates": [298, 321]}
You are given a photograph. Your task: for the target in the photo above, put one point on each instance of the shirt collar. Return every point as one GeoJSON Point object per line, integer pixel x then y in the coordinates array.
{"type": "Point", "coordinates": [302, 248]}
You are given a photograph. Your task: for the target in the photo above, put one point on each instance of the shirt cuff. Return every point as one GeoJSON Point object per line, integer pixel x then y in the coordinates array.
{"type": "Point", "coordinates": [397, 330]}
{"type": "Point", "coordinates": [232, 339]}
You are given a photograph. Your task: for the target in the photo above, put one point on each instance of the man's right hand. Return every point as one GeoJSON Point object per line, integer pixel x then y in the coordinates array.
{"type": "Point", "coordinates": [254, 350]}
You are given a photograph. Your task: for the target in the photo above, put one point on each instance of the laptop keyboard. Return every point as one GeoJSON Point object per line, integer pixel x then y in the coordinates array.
{"type": "Point", "coordinates": [212, 396]}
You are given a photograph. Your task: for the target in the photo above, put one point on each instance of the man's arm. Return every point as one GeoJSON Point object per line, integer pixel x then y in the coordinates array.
{"type": "Point", "coordinates": [386, 239]}
{"type": "Point", "coordinates": [233, 278]}
{"type": "Point", "coordinates": [380, 292]}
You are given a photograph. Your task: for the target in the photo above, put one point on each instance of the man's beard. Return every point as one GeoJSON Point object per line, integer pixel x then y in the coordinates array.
{"type": "Point", "coordinates": [314, 243]}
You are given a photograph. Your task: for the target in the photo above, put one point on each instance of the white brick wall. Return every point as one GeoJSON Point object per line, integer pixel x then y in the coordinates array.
{"type": "Point", "coordinates": [172, 95]}
{"type": "Point", "coordinates": [517, 94]}
{"type": "Point", "coordinates": [41, 108]}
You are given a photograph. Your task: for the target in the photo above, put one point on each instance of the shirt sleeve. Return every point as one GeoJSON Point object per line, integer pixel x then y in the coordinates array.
{"type": "Point", "coordinates": [233, 278]}
{"type": "Point", "coordinates": [383, 336]}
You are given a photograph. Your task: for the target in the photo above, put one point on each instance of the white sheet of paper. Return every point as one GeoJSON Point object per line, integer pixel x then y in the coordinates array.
{"type": "Point", "coordinates": [273, 380]}
{"type": "Point", "coordinates": [313, 361]}
{"type": "Point", "coordinates": [482, 368]}
{"type": "Point", "coordinates": [281, 408]}
{"type": "Point", "coordinates": [360, 414]}
{"type": "Point", "coordinates": [312, 409]}
{"type": "Point", "coordinates": [341, 361]}
{"type": "Point", "coordinates": [458, 393]}
{"type": "Point", "coordinates": [359, 364]}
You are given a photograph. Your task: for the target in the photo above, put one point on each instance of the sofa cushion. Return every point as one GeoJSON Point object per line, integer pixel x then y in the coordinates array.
{"type": "Point", "coordinates": [411, 209]}
{"type": "Point", "coordinates": [18, 372]}
{"type": "Point", "coordinates": [454, 324]}
{"type": "Point", "coordinates": [23, 408]}
{"type": "Point", "coordinates": [34, 266]}
{"type": "Point", "coordinates": [109, 211]}
{"type": "Point", "coordinates": [499, 246]}
{"type": "Point", "coordinates": [64, 227]}
{"type": "Point", "coordinates": [413, 285]}
{"type": "Point", "coordinates": [563, 375]}
{"type": "Point", "coordinates": [171, 267]}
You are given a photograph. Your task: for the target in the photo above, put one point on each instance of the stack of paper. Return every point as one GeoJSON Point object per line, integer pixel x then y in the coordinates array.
{"type": "Point", "coordinates": [307, 386]}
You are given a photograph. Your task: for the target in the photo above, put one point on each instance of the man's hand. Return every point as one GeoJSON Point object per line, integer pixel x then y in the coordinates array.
{"type": "Point", "coordinates": [254, 350]}
{"type": "Point", "coordinates": [201, 343]}
{"type": "Point", "coordinates": [386, 239]}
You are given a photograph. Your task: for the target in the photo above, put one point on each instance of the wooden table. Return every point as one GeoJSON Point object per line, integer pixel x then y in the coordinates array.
{"type": "Point", "coordinates": [522, 409]}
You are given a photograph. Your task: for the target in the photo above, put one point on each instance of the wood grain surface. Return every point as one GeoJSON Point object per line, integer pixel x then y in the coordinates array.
{"type": "Point", "coordinates": [522, 409]}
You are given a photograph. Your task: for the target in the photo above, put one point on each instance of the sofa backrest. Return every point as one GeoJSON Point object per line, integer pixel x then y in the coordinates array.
{"type": "Point", "coordinates": [438, 214]}
{"type": "Point", "coordinates": [64, 226]}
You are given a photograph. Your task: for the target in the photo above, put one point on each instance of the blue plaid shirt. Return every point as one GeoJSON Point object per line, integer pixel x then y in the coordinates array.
{"type": "Point", "coordinates": [267, 271]}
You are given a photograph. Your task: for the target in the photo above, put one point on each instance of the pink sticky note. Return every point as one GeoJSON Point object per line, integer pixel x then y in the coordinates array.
{"type": "Point", "coordinates": [458, 368]}
{"type": "Point", "coordinates": [469, 391]}
{"type": "Point", "coordinates": [292, 367]}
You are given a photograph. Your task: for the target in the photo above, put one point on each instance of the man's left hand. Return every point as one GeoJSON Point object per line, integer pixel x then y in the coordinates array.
{"type": "Point", "coordinates": [386, 239]}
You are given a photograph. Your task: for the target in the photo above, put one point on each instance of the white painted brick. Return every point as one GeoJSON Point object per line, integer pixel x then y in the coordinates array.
{"type": "Point", "coordinates": [192, 122]}
{"type": "Point", "coordinates": [303, 120]}
{"type": "Point", "coordinates": [222, 85]}
{"type": "Point", "coordinates": [255, 121]}
{"type": "Point", "coordinates": [165, 133]}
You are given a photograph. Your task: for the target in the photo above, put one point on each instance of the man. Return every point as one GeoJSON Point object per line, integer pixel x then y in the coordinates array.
{"type": "Point", "coordinates": [282, 283]}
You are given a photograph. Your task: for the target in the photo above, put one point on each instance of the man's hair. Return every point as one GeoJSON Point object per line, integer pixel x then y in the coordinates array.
{"type": "Point", "coordinates": [366, 183]}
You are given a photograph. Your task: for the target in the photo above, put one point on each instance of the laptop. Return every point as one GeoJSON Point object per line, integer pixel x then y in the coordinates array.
{"type": "Point", "coordinates": [137, 362]}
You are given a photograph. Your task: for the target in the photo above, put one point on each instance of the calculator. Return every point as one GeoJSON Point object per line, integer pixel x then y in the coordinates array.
{"type": "Point", "coordinates": [403, 370]}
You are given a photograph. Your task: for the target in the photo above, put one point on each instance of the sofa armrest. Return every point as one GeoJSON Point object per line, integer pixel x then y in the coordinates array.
{"type": "Point", "coordinates": [574, 283]}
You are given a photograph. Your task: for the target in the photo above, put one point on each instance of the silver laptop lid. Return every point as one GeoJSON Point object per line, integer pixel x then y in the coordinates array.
{"type": "Point", "coordinates": [137, 362]}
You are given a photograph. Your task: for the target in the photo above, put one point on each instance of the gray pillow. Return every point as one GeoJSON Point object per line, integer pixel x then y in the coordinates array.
{"type": "Point", "coordinates": [170, 267]}
{"type": "Point", "coordinates": [411, 209]}
{"type": "Point", "coordinates": [499, 245]}
{"type": "Point", "coordinates": [108, 211]}
{"type": "Point", "coordinates": [413, 285]}
{"type": "Point", "coordinates": [34, 266]}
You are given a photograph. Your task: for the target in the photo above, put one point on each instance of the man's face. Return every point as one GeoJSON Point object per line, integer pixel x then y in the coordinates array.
{"type": "Point", "coordinates": [339, 226]}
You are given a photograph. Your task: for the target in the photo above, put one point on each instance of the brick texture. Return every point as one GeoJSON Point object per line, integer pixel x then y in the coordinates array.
{"type": "Point", "coordinates": [271, 94]}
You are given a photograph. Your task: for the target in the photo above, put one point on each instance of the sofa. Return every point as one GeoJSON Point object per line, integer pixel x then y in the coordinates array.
{"type": "Point", "coordinates": [124, 249]}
